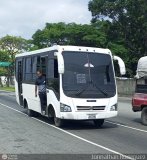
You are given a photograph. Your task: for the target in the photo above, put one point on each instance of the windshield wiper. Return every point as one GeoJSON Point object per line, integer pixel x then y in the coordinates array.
{"type": "Point", "coordinates": [99, 89]}
{"type": "Point", "coordinates": [81, 90]}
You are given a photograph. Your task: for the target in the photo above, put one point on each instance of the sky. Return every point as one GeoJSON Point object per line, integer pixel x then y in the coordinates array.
{"type": "Point", "coordinates": [24, 17]}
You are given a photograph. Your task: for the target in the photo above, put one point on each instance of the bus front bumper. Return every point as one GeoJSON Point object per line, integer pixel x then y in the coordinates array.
{"type": "Point", "coordinates": [87, 115]}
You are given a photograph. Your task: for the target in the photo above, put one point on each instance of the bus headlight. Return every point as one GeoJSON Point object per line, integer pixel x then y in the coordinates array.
{"type": "Point", "coordinates": [65, 108]}
{"type": "Point", "coordinates": [113, 108]}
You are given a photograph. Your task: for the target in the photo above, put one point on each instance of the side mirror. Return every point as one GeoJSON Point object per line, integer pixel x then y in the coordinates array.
{"type": "Point", "coordinates": [60, 62]}
{"type": "Point", "coordinates": [121, 65]}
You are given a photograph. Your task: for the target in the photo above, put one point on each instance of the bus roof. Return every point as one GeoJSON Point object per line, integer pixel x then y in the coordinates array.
{"type": "Point", "coordinates": [66, 48]}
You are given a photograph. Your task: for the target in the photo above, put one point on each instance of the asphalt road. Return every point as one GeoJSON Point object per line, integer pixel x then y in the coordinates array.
{"type": "Point", "coordinates": [20, 134]}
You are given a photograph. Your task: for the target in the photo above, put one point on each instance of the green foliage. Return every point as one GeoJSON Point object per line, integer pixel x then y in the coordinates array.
{"type": "Point", "coordinates": [3, 71]}
{"type": "Point", "coordinates": [13, 45]}
{"type": "Point", "coordinates": [52, 33]}
{"type": "Point", "coordinates": [31, 46]}
{"type": "Point", "coordinates": [9, 47]}
{"type": "Point", "coordinates": [128, 27]}
{"type": "Point", "coordinates": [70, 34]}
{"type": "Point", "coordinates": [11, 89]}
{"type": "Point", "coordinates": [4, 56]}
{"type": "Point", "coordinates": [98, 34]}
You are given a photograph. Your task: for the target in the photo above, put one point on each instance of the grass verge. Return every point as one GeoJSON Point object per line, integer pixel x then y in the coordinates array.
{"type": "Point", "coordinates": [11, 89]}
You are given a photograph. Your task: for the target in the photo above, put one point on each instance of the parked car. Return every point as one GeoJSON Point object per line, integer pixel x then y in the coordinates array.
{"type": "Point", "coordinates": [139, 100]}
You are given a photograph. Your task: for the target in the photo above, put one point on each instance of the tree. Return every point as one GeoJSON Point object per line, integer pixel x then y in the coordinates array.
{"type": "Point", "coordinates": [52, 33]}
{"type": "Point", "coordinates": [13, 45]}
{"type": "Point", "coordinates": [85, 35]}
{"type": "Point", "coordinates": [4, 57]}
{"type": "Point", "coordinates": [9, 47]}
{"type": "Point", "coordinates": [128, 25]}
{"type": "Point", "coordinates": [71, 34]}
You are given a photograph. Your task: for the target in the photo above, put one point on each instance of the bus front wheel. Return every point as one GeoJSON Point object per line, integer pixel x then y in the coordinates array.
{"type": "Point", "coordinates": [98, 122]}
{"type": "Point", "coordinates": [58, 122]}
{"type": "Point", "coordinates": [144, 116]}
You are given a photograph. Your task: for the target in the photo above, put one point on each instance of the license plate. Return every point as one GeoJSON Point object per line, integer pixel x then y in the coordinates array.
{"type": "Point", "coordinates": [92, 116]}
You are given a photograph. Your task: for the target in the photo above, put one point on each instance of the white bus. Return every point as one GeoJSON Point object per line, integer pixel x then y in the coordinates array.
{"type": "Point", "coordinates": [81, 83]}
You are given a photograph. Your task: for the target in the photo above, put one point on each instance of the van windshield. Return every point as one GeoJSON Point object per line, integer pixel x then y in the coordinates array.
{"type": "Point", "coordinates": [88, 75]}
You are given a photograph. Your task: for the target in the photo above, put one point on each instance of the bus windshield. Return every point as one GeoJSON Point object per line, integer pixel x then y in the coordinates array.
{"type": "Point", "coordinates": [88, 75]}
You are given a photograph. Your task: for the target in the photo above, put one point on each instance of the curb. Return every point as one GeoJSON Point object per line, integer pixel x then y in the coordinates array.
{"type": "Point", "coordinates": [9, 92]}
{"type": "Point", "coordinates": [127, 98]}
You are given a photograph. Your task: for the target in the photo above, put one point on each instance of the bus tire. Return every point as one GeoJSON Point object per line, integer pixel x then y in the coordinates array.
{"type": "Point", "coordinates": [144, 116]}
{"type": "Point", "coordinates": [98, 122]}
{"type": "Point", "coordinates": [58, 122]}
{"type": "Point", "coordinates": [30, 113]}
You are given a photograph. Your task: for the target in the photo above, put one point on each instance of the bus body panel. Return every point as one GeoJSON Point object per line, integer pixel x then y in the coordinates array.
{"type": "Point", "coordinates": [16, 91]}
{"type": "Point", "coordinates": [88, 108]}
{"type": "Point", "coordinates": [53, 101]}
{"type": "Point", "coordinates": [85, 115]}
{"type": "Point", "coordinates": [29, 95]}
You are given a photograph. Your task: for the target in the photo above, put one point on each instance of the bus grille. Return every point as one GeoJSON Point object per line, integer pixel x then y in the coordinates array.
{"type": "Point", "coordinates": [81, 108]}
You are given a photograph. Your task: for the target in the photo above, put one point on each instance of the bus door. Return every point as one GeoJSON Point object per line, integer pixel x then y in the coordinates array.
{"type": "Point", "coordinates": [19, 80]}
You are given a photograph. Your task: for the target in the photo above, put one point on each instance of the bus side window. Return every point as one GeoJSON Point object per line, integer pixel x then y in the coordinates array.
{"type": "Point", "coordinates": [41, 64]}
{"type": "Point", "coordinates": [34, 67]}
{"type": "Point", "coordinates": [53, 76]}
{"type": "Point", "coordinates": [16, 69]}
{"type": "Point", "coordinates": [56, 75]}
{"type": "Point", "coordinates": [51, 68]}
{"type": "Point", "coordinates": [38, 63]}
{"type": "Point", "coordinates": [145, 81]}
{"type": "Point", "coordinates": [28, 69]}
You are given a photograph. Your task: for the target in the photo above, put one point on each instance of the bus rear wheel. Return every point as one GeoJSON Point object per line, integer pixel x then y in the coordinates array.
{"type": "Point", "coordinates": [144, 116]}
{"type": "Point", "coordinates": [30, 113]}
{"type": "Point", "coordinates": [98, 122]}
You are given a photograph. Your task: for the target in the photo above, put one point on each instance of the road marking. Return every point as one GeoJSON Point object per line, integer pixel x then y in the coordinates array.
{"type": "Point", "coordinates": [13, 109]}
{"type": "Point", "coordinates": [118, 124]}
{"type": "Point", "coordinates": [73, 135]}
{"type": "Point", "coordinates": [141, 130]}
{"type": "Point", "coordinates": [85, 140]}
